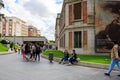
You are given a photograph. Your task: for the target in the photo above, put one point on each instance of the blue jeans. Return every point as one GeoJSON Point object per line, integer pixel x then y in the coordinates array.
{"type": "Point", "coordinates": [113, 62]}
{"type": "Point", "coordinates": [64, 59]}
{"type": "Point", "coordinates": [71, 60]}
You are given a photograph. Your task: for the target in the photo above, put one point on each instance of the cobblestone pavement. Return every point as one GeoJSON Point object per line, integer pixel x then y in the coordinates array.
{"type": "Point", "coordinates": [13, 67]}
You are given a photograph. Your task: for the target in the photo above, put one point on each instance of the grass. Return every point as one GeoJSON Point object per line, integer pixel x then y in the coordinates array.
{"type": "Point", "coordinates": [101, 59]}
{"type": "Point", "coordinates": [3, 48]}
{"type": "Point", "coordinates": [55, 52]}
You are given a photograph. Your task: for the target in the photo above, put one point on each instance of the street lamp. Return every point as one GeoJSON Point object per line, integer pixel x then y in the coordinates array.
{"type": "Point", "coordinates": [14, 43]}
{"type": "Point", "coordinates": [22, 39]}
{"type": "Point", "coordinates": [14, 39]}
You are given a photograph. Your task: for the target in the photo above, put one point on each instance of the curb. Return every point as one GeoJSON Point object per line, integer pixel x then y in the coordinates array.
{"type": "Point", "coordinates": [86, 64]}
{"type": "Point", "coordinates": [6, 53]}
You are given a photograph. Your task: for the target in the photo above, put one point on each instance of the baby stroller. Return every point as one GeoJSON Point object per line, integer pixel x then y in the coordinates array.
{"type": "Point", "coordinates": [50, 57]}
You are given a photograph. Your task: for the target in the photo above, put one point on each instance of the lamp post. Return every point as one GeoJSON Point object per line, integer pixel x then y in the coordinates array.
{"type": "Point", "coordinates": [22, 39]}
{"type": "Point", "coordinates": [14, 39]}
{"type": "Point", "coordinates": [14, 43]}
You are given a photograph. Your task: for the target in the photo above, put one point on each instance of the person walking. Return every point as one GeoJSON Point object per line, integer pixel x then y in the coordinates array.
{"type": "Point", "coordinates": [115, 59]}
{"type": "Point", "coordinates": [38, 51]}
{"type": "Point", "coordinates": [33, 52]}
{"type": "Point", "coordinates": [23, 51]}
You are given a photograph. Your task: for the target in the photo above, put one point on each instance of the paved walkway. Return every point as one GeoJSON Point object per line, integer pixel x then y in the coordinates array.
{"type": "Point", "coordinates": [13, 67]}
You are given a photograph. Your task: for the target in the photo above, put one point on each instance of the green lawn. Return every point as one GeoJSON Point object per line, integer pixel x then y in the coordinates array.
{"type": "Point", "coordinates": [3, 48]}
{"type": "Point", "coordinates": [102, 59]}
{"type": "Point", "coordinates": [55, 52]}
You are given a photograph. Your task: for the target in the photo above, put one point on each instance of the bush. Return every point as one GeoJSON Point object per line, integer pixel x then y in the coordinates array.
{"type": "Point", "coordinates": [4, 42]}
{"type": "Point", "coordinates": [11, 45]}
{"type": "Point", "coordinates": [3, 48]}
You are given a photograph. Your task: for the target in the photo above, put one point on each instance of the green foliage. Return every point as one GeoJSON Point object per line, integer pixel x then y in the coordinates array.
{"type": "Point", "coordinates": [4, 42]}
{"type": "Point", "coordinates": [15, 46]}
{"type": "Point", "coordinates": [56, 53]}
{"type": "Point", "coordinates": [3, 48]}
{"type": "Point", "coordinates": [0, 39]}
{"type": "Point", "coordinates": [102, 59]}
{"type": "Point", "coordinates": [41, 43]}
{"type": "Point", "coordinates": [0, 35]}
{"type": "Point", "coordinates": [51, 41]}
{"type": "Point", "coordinates": [11, 45]}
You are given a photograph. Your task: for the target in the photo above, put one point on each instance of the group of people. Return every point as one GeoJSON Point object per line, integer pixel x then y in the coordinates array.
{"type": "Point", "coordinates": [31, 51]}
{"type": "Point", "coordinates": [71, 59]}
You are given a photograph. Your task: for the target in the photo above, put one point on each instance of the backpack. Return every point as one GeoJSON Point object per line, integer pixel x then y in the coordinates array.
{"type": "Point", "coordinates": [38, 49]}
{"type": "Point", "coordinates": [119, 51]}
{"type": "Point", "coordinates": [28, 48]}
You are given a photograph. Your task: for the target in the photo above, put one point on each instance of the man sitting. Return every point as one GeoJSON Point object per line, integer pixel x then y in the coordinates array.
{"type": "Point", "coordinates": [73, 58]}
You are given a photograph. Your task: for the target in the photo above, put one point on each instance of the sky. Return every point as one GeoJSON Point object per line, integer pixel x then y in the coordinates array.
{"type": "Point", "coordinates": [39, 13]}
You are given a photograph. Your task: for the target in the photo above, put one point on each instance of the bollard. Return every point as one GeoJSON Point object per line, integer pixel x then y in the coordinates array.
{"type": "Point", "coordinates": [50, 57]}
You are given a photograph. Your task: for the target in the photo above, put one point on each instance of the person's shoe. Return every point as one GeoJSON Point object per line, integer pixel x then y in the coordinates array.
{"type": "Point", "coordinates": [59, 62]}
{"type": "Point", "coordinates": [118, 75]}
{"type": "Point", "coordinates": [69, 64]}
{"type": "Point", "coordinates": [63, 62]}
{"type": "Point", "coordinates": [107, 74]}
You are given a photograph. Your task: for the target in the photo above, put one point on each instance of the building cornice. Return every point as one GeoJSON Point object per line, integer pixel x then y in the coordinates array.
{"type": "Point", "coordinates": [75, 27]}
{"type": "Point", "coordinates": [69, 1]}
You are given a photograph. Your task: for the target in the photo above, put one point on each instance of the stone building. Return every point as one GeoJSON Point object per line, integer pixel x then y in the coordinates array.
{"type": "Point", "coordinates": [13, 26]}
{"type": "Point", "coordinates": [88, 26]}
{"type": "Point", "coordinates": [32, 31]}
{"type": "Point", "coordinates": [75, 26]}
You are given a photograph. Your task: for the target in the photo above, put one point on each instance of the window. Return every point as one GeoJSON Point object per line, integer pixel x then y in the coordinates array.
{"type": "Point", "coordinates": [10, 30]}
{"type": "Point", "coordinates": [10, 19]}
{"type": "Point", "coordinates": [10, 23]}
{"type": "Point", "coordinates": [50, 46]}
{"type": "Point", "coordinates": [3, 34]}
{"type": "Point", "coordinates": [70, 40]}
{"type": "Point", "coordinates": [77, 39]}
{"type": "Point", "coordinates": [62, 41]}
{"type": "Point", "coordinates": [77, 11]}
{"type": "Point", "coordinates": [70, 14]}
{"type": "Point", "coordinates": [31, 30]}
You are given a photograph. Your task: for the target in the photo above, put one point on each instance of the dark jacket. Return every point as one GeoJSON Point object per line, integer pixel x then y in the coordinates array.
{"type": "Point", "coordinates": [66, 54]}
